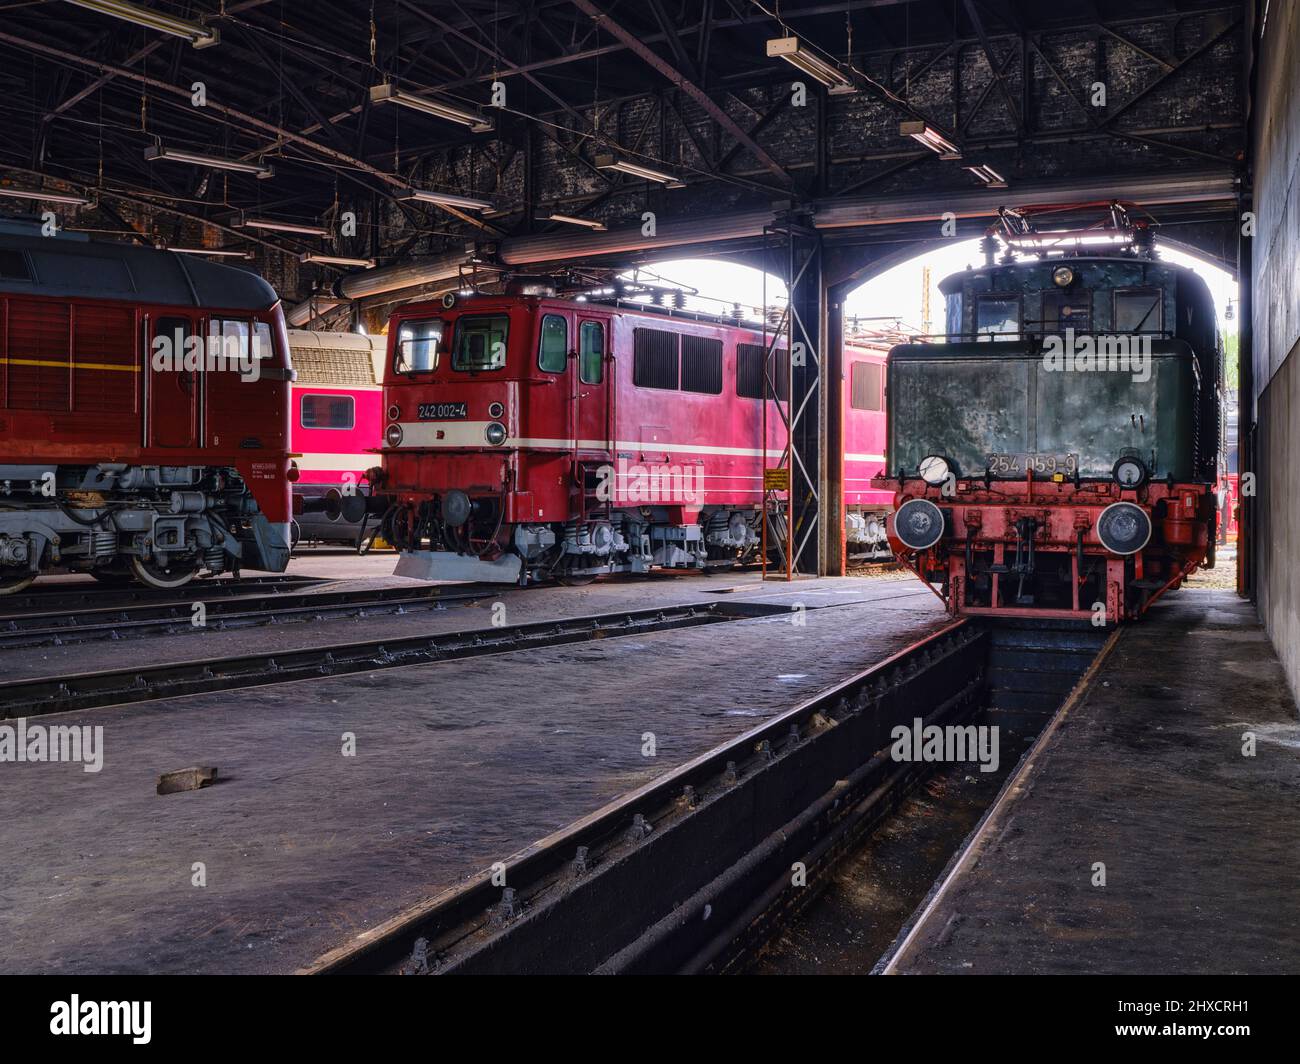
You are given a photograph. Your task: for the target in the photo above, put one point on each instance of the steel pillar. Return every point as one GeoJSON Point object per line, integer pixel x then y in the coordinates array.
{"type": "Point", "coordinates": [793, 250]}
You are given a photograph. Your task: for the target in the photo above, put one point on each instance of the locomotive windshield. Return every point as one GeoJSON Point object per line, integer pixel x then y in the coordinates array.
{"type": "Point", "coordinates": [998, 318]}
{"type": "Point", "coordinates": [987, 411]}
{"type": "Point", "coordinates": [480, 342]}
{"type": "Point", "coordinates": [1138, 312]}
{"type": "Point", "coordinates": [418, 345]}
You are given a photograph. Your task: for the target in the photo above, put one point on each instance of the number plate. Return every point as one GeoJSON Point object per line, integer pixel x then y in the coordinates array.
{"type": "Point", "coordinates": [442, 411]}
{"type": "Point", "coordinates": [1015, 465]}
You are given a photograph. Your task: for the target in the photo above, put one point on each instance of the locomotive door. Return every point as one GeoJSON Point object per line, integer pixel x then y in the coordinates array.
{"type": "Point", "coordinates": [173, 390]}
{"type": "Point", "coordinates": [592, 419]}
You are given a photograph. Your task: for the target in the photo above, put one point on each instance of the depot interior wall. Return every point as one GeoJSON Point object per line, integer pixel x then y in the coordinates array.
{"type": "Point", "coordinates": [1276, 326]}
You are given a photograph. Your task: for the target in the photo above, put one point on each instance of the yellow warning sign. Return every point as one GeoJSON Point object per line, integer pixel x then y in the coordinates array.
{"type": "Point", "coordinates": [776, 480]}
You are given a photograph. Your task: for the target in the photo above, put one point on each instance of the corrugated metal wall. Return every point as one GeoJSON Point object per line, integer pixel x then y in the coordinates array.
{"type": "Point", "coordinates": [1276, 325]}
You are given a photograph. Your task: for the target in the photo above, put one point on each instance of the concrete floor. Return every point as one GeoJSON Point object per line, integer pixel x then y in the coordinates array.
{"type": "Point", "coordinates": [458, 765]}
{"type": "Point", "coordinates": [1146, 776]}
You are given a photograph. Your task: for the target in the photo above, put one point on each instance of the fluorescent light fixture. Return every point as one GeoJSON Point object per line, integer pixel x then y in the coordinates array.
{"type": "Point", "coordinates": [586, 223]}
{"type": "Point", "coordinates": [988, 175]}
{"type": "Point", "coordinates": [176, 155]}
{"type": "Point", "coordinates": [242, 221]}
{"type": "Point", "coordinates": [220, 253]}
{"type": "Point", "coordinates": [609, 162]}
{"type": "Point", "coordinates": [45, 197]}
{"type": "Point", "coordinates": [335, 260]}
{"type": "Point", "coordinates": [798, 55]}
{"type": "Point", "coordinates": [446, 199]}
{"type": "Point", "coordinates": [198, 35]}
{"type": "Point", "coordinates": [930, 137]}
{"type": "Point", "coordinates": [387, 92]}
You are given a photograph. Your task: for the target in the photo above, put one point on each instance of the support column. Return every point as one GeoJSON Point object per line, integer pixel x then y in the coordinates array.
{"type": "Point", "coordinates": [795, 252]}
{"type": "Point", "coordinates": [833, 550]}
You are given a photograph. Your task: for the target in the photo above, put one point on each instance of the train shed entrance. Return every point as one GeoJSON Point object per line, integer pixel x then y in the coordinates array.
{"type": "Point", "coordinates": [358, 475]}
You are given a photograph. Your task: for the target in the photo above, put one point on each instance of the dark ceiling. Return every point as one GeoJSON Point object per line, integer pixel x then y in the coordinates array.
{"type": "Point", "coordinates": [83, 94]}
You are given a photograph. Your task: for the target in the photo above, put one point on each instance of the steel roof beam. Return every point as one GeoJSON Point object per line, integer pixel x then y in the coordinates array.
{"type": "Point", "coordinates": [662, 66]}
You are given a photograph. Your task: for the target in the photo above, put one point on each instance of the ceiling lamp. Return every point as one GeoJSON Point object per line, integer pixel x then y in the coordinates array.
{"type": "Point", "coordinates": [586, 223]}
{"type": "Point", "coordinates": [445, 199]}
{"type": "Point", "coordinates": [220, 253]}
{"type": "Point", "coordinates": [45, 197]}
{"type": "Point", "coordinates": [988, 175]}
{"type": "Point", "coordinates": [198, 35]}
{"type": "Point", "coordinates": [610, 162]}
{"type": "Point", "coordinates": [387, 92]}
{"type": "Point", "coordinates": [926, 134]}
{"type": "Point", "coordinates": [797, 54]}
{"type": "Point", "coordinates": [335, 260]}
{"type": "Point", "coordinates": [217, 162]}
{"type": "Point", "coordinates": [242, 221]}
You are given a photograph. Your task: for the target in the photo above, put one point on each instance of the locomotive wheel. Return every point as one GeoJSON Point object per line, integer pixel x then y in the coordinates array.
{"type": "Point", "coordinates": [165, 577]}
{"type": "Point", "coordinates": [11, 585]}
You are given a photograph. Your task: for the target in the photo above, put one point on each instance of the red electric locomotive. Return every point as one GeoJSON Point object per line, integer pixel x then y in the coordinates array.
{"type": "Point", "coordinates": [144, 399]}
{"type": "Point", "coordinates": [532, 437]}
{"type": "Point", "coordinates": [1057, 456]}
{"type": "Point", "coordinates": [865, 507]}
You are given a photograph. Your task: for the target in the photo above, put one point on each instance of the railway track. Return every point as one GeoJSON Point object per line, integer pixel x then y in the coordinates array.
{"type": "Point", "coordinates": [56, 628]}
{"type": "Point", "coordinates": [59, 597]}
{"type": "Point", "coordinates": [43, 695]}
{"type": "Point", "coordinates": [697, 870]}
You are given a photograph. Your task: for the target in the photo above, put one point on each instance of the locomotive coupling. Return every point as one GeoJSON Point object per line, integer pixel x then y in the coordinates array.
{"type": "Point", "coordinates": [350, 508]}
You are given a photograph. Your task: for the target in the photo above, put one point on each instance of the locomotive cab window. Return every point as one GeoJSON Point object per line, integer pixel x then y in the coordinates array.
{"type": "Point", "coordinates": [480, 343]}
{"type": "Point", "coordinates": [1067, 310]}
{"type": "Point", "coordinates": [263, 345]}
{"type": "Point", "coordinates": [591, 351]}
{"type": "Point", "coordinates": [230, 340]}
{"type": "Point", "coordinates": [327, 412]}
{"type": "Point", "coordinates": [419, 343]}
{"type": "Point", "coordinates": [997, 318]}
{"type": "Point", "coordinates": [553, 346]}
{"type": "Point", "coordinates": [867, 386]}
{"type": "Point", "coordinates": [1138, 311]}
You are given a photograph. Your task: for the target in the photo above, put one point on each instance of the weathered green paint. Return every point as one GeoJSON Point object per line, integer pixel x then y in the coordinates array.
{"type": "Point", "coordinates": [966, 401]}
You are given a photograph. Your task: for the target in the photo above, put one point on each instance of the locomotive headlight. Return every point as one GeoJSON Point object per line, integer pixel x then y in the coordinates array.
{"type": "Point", "coordinates": [1062, 277]}
{"type": "Point", "coordinates": [495, 433]}
{"type": "Point", "coordinates": [918, 523]}
{"type": "Point", "coordinates": [496, 410]}
{"type": "Point", "coordinates": [1123, 528]}
{"type": "Point", "coordinates": [934, 470]}
{"type": "Point", "coordinates": [393, 435]}
{"type": "Point", "coordinates": [394, 412]}
{"type": "Point", "coordinates": [1129, 473]}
